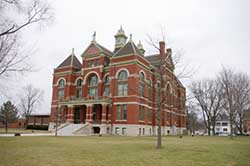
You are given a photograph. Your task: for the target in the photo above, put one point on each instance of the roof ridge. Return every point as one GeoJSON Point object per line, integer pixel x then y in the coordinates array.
{"type": "Point", "coordinates": [133, 46]}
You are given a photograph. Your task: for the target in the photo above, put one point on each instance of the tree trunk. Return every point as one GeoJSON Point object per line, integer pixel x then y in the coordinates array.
{"type": "Point", "coordinates": [231, 127]}
{"type": "Point", "coordinates": [6, 127]}
{"type": "Point", "coordinates": [26, 122]}
{"type": "Point", "coordinates": [241, 127]}
{"type": "Point", "coordinates": [158, 145]}
{"type": "Point", "coordinates": [209, 131]}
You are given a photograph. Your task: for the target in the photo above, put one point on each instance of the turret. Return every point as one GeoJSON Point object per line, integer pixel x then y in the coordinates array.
{"type": "Point", "coordinates": [140, 47]}
{"type": "Point", "coordinates": [120, 39]}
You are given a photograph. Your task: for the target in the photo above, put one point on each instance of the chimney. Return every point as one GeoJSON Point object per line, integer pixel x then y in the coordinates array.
{"type": "Point", "coordinates": [169, 52]}
{"type": "Point", "coordinates": [162, 49]}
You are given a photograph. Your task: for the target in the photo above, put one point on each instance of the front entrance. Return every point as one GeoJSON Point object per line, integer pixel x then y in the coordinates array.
{"type": "Point", "coordinates": [79, 114]}
{"type": "Point", "coordinates": [97, 113]}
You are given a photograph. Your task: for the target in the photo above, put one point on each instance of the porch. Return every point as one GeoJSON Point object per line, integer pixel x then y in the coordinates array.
{"type": "Point", "coordinates": [80, 114]}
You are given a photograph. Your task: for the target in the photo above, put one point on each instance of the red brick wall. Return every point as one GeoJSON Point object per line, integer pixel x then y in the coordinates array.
{"type": "Point", "coordinates": [133, 90]}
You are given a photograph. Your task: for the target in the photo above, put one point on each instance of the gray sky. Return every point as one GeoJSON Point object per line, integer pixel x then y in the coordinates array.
{"type": "Point", "coordinates": [212, 33]}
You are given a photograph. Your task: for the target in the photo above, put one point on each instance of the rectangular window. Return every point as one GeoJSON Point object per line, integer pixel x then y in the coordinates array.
{"type": "Point", "coordinates": [121, 112]}
{"type": "Point", "coordinates": [106, 91]}
{"type": "Point", "coordinates": [150, 92]}
{"type": "Point", "coordinates": [118, 112]}
{"type": "Point", "coordinates": [124, 112]}
{"type": "Point", "coordinates": [224, 129]}
{"type": "Point", "coordinates": [92, 91]}
{"type": "Point", "coordinates": [123, 131]}
{"type": "Point", "coordinates": [150, 117]}
{"type": "Point", "coordinates": [78, 93]}
{"type": "Point", "coordinates": [141, 89]}
{"type": "Point", "coordinates": [224, 123]}
{"type": "Point", "coordinates": [122, 89]}
{"type": "Point", "coordinates": [141, 113]}
{"type": "Point", "coordinates": [60, 93]}
{"type": "Point", "coordinates": [117, 131]}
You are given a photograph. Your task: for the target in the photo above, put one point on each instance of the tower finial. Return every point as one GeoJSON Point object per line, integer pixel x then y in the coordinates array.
{"type": "Point", "coordinates": [94, 36]}
{"type": "Point", "coordinates": [130, 37]}
{"type": "Point", "coordinates": [73, 51]}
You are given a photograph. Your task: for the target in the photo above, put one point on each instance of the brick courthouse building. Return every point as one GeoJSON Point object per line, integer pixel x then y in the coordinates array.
{"type": "Point", "coordinates": [115, 92]}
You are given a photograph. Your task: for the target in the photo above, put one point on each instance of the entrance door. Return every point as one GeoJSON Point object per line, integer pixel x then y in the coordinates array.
{"type": "Point", "coordinates": [77, 115]}
{"type": "Point", "coordinates": [97, 113]}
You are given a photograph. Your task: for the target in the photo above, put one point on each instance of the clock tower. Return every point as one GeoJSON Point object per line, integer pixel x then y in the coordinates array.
{"type": "Point", "coordinates": [120, 39]}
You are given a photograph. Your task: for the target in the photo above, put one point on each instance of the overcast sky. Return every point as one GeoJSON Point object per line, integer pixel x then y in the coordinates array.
{"type": "Point", "coordinates": [210, 33]}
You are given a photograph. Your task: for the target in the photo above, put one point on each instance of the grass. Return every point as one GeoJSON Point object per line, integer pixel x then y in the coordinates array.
{"type": "Point", "coordinates": [11, 131]}
{"type": "Point", "coordinates": [124, 151]}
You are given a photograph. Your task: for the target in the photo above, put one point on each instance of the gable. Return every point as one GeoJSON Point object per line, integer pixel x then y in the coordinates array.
{"type": "Point", "coordinates": [95, 48]}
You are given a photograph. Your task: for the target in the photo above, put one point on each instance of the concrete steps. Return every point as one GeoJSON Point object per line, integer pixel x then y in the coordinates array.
{"type": "Point", "coordinates": [74, 129]}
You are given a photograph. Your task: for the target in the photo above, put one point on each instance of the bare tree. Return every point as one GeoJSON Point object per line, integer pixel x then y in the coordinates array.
{"type": "Point", "coordinates": [209, 98]}
{"type": "Point", "coordinates": [227, 78]}
{"type": "Point", "coordinates": [184, 73]}
{"type": "Point", "coordinates": [236, 89]}
{"type": "Point", "coordinates": [242, 97]}
{"type": "Point", "coordinates": [191, 117]}
{"type": "Point", "coordinates": [183, 69]}
{"type": "Point", "coordinates": [8, 113]}
{"type": "Point", "coordinates": [30, 99]}
{"type": "Point", "coordinates": [15, 15]}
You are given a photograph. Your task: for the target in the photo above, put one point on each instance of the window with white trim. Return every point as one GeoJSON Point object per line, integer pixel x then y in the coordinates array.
{"type": "Point", "coordinates": [79, 88]}
{"type": "Point", "coordinates": [93, 86]}
{"type": "Point", "coordinates": [61, 85]}
{"type": "Point", "coordinates": [121, 112]}
{"type": "Point", "coordinates": [141, 86]}
{"type": "Point", "coordinates": [122, 83]}
{"type": "Point", "coordinates": [106, 86]}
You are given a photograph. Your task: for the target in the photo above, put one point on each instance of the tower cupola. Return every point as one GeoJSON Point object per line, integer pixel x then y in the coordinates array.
{"type": "Point", "coordinates": [120, 39]}
{"type": "Point", "coordinates": [140, 47]}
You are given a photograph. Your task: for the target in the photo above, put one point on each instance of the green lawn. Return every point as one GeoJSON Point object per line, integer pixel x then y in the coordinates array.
{"type": "Point", "coordinates": [124, 151]}
{"type": "Point", "coordinates": [11, 131]}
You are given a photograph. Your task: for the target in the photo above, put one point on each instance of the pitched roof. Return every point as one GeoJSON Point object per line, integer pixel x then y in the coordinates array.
{"type": "Point", "coordinates": [105, 50]}
{"type": "Point", "coordinates": [223, 117]}
{"type": "Point", "coordinates": [94, 47]}
{"type": "Point", "coordinates": [129, 48]}
{"type": "Point", "coordinates": [179, 82]}
{"type": "Point", "coordinates": [71, 61]}
{"type": "Point", "coordinates": [153, 58]}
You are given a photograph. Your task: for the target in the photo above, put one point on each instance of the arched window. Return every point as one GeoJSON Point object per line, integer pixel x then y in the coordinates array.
{"type": "Point", "coordinates": [79, 88]}
{"type": "Point", "coordinates": [60, 87]}
{"type": "Point", "coordinates": [106, 91]}
{"type": "Point", "coordinates": [168, 95]}
{"type": "Point", "coordinates": [122, 83]}
{"type": "Point", "coordinates": [150, 89]}
{"type": "Point", "coordinates": [142, 80]}
{"type": "Point", "coordinates": [93, 85]}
